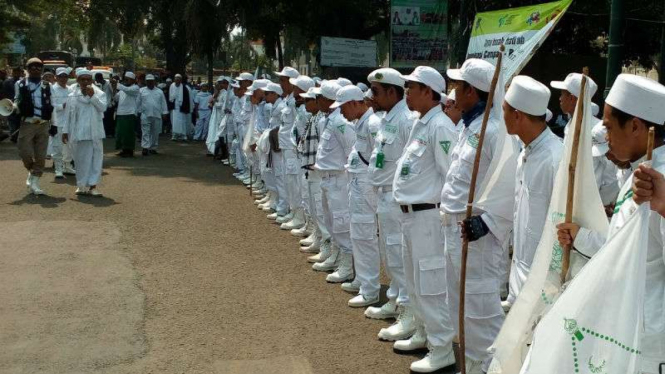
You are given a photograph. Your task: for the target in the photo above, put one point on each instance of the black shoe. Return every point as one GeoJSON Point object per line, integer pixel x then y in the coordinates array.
{"type": "Point", "coordinates": [153, 152]}
{"type": "Point", "coordinates": [145, 152]}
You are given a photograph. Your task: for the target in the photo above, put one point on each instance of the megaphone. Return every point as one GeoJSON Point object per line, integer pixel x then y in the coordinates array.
{"type": "Point", "coordinates": [6, 107]}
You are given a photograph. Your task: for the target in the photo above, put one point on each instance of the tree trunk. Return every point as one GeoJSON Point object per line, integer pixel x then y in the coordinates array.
{"type": "Point", "coordinates": [210, 61]}
{"type": "Point", "coordinates": [280, 53]}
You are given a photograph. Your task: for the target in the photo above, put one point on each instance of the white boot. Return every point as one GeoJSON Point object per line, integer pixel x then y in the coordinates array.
{"type": "Point", "coordinates": [34, 186]}
{"type": "Point", "coordinates": [344, 270]}
{"type": "Point", "coordinates": [310, 239]}
{"type": "Point", "coordinates": [68, 169]}
{"type": "Point", "coordinates": [437, 358]}
{"type": "Point", "coordinates": [305, 230]}
{"type": "Point", "coordinates": [296, 222]}
{"type": "Point", "coordinates": [473, 367]}
{"type": "Point", "coordinates": [272, 216]}
{"type": "Point", "coordinates": [386, 311]}
{"type": "Point", "coordinates": [329, 263]}
{"type": "Point", "coordinates": [59, 167]}
{"type": "Point", "coordinates": [416, 343]}
{"type": "Point", "coordinates": [351, 287]}
{"type": "Point", "coordinates": [362, 301]}
{"type": "Point", "coordinates": [28, 182]}
{"type": "Point", "coordinates": [284, 219]}
{"type": "Point", "coordinates": [403, 328]}
{"type": "Point", "coordinates": [324, 253]}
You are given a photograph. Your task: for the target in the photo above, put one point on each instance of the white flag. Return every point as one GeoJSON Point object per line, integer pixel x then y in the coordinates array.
{"type": "Point", "coordinates": [543, 285]}
{"type": "Point", "coordinates": [596, 324]}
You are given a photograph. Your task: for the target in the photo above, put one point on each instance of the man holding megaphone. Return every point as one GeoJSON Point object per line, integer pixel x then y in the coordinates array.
{"type": "Point", "coordinates": [33, 103]}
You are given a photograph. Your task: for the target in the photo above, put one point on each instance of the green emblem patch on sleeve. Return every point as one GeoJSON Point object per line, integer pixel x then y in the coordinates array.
{"type": "Point", "coordinates": [341, 128]}
{"type": "Point", "coordinates": [445, 145]}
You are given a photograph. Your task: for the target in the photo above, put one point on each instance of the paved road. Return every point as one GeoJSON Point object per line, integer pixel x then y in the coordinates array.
{"type": "Point", "coordinates": [173, 271]}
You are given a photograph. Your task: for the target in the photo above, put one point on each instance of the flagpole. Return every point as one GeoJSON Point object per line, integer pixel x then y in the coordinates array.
{"type": "Point", "coordinates": [469, 209]}
{"type": "Point", "coordinates": [572, 167]}
{"type": "Point", "coordinates": [650, 141]}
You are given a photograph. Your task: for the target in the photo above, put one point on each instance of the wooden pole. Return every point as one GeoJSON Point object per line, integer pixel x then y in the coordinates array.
{"type": "Point", "coordinates": [572, 167]}
{"type": "Point", "coordinates": [650, 141]}
{"type": "Point", "coordinates": [469, 210]}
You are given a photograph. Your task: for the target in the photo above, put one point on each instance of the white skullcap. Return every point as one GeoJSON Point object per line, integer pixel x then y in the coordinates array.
{"type": "Point", "coordinates": [386, 76]}
{"type": "Point", "coordinates": [61, 70]}
{"type": "Point", "coordinates": [273, 87]}
{"type": "Point", "coordinates": [329, 89]}
{"type": "Point", "coordinates": [548, 115]}
{"type": "Point", "coordinates": [130, 75]}
{"type": "Point", "coordinates": [178, 76]}
{"type": "Point", "coordinates": [344, 82]}
{"type": "Point", "coordinates": [303, 82]}
{"type": "Point", "coordinates": [83, 72]}
{"type": "Point", "coordinates": [595, 109]}
{"type": "Point", "coordinates": [528, 95]}
{"type": "Point", "coordinates": [245, 77]}
{"type": "Point", "coordinates": [346, 94]}
{"type": "Point", "coordinates": [476, 72]}
{"type": "Point", "coordinates": [638, 96]}
{"type": "Point", "coordinates": [427, 76]}
{"type": "Point", "coordinates": [150, 77]}
{"type": "Point", "coordinates": [573, 84]}
{"type": "Point", "coordinates": [289, 72]}
{"type": "Point", "coordinates": [310, 94]}
{"type": "Point", "coordinates": [599, 144]}
{"type": "Point", "coordinates": [363, 87]}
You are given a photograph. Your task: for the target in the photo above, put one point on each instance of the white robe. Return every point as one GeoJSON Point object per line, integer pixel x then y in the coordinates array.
{"type": "Point", "coordinates": [181, 122]}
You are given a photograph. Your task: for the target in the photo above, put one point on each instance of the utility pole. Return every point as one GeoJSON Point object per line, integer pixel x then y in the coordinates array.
{"type": "Point", "coordinates": [615, 47]}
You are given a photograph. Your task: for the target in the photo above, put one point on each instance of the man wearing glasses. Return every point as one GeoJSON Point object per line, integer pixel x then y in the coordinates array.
{"type": "Point", "coordinates": [33, 103]}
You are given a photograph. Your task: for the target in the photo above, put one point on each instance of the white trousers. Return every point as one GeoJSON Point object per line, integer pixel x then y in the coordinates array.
{"type": "Point", "coordinates": [201, 128]}
{"type": "Point", "coordinates": [484, 277]}
{"type": "Point", "coordinates": [180, 123]}
{"type": "Point", "coordinates": [292, 177]}
{"type": "Point", "coordinates": [390, 244]}
{"type": "Point", "coordinates": [425, 270]}
{"type": "Point", "coordinates": [88, 156]}
{"type": "Point", "coordinates": [335, 201]}
{"type": "Point", "coordinates": [304, 193]}
{"type": "Point", "coordinates": [151, 127]}
{"type": "Point", "coordinates": [280, 183]}
{"type": "Point", "coordinates": [60, 152]}
{"type": "Point", "coordinates": [366, 256]}
{"type": "Point", "coordinates": [316, 203]}
{"type": "Point", "coordinates": [240, 155]}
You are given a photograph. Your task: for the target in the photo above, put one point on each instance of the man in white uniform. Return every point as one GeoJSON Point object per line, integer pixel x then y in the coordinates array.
{"type": "Point", "coordinates": [127, 96]}
{"type": "Point", "coordinates": [183, 103]}
{"type": "Point", "coordinates": [524, 110]}
{"type": "Point", "coordinates": [488, 242]}
{"type": "Point", "coordinates": [59, 94]}
{"type": "Point", "coordinates": [84, 127]}
{"type": "Point", "coordinates": [633, 105]}
{"type": "Point", "coordinates": [417, 185]}
{"type": "Point", "coordinates": [216, 115]}
{"type": "Point", "coordinates": [152, 106]}
{"type": "Point", "coordinates": [604, 169]}
{"type": "Point", "coordinates": [387, 87]}
{"type": "Point", "coordinates": [362, 197]}
{"type": "Point", "coordinates": [570, 91]}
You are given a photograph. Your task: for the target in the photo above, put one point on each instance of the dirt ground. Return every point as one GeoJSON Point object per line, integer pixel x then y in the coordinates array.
{"type": "Point", "coordinates": [174, 270]}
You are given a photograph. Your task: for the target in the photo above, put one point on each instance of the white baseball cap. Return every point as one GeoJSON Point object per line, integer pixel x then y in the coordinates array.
{"type": "Point", "coordinates": [346, 94]}
{"type": "Point", "coordinates": [344, 82]}
{"type": "Point", "coordinates": [427, 76]}
{"type": "Point", "coordinates": [273, 87]}
{"type": "Point", "coordinates": [83, 72]}
{"type": "Point", "coordinates": [363, 87]}
{"type": "Point", "coordinates": [303, 82]}
{"type": "Point", "coordinates": [329, 90]}
{"type": "Point", "coordinates": [528, 95]}
{"type": "Point", "coordinates": [62, 70]}
{"type": "Point", "coordinates": [245, 77]}
{"type": "Point", "coordinates": [444, 98]}
{"type": "Point", "coordinates": [638, 96]}
{"type": "Point", "coordinates": [130, 75]}
{"type": "Point", "coordinates": [453, 94]}
{"type": "Point", "coordinates": [257, 84]}
{"type": "Point", "coordinates": [476, 72]}
{"type": "Point", "coordinates": [310, 94]}
{"type": "Point", "coordinates": [150, 77]}
{"type": "Point", "coordinates": [386, 76]}
{"type": "Point", "coordinates": [573, 84]}
{"type": "Point", "coordinates": [289, 72]}
{"type": "Point", "coordinates": [599, 144]}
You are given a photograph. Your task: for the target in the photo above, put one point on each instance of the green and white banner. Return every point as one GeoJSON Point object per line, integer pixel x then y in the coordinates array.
{"type": "Point", "coordinates": [418, 33]}
{"type": "Point", "coordinates": [521, 30]}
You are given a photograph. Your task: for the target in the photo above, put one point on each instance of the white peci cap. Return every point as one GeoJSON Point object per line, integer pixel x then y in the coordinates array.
{"type": "Point", "coordinates": [595, 109]}
{"type": "Point", "coordinates": [288, 72]}
{"type": "Point", "coordinates": [528, 95]}
{"type": "Point", "coordinates": [386, 76]}
{"type": "Point", "coordinates": [303, 82]}
{"type": "Point", "coordinates": [346, 94]}
{"type": "Point", "coordinates": [61, 70]}
{"type": "Point", "coordinates": [638, 96]}
{"type": "Point", "coordinates": [83, 72]}
{"type": "Point", "coordinates": [427, 76]}
{"type": "Point", "coordinates": [150, 77]}
{"type": "Point", "coordinates": [573, 84]}
{"type": "Point", "coordinates": [273, 87]}
{"type": "Point", "coordinates": [329, 90]}
{"type": "Point", "coordinates": [476, 72]}
{"type": "Point", "coordinates": [130, 75]}
{"type": "Point", "coordinates": [599, 144]}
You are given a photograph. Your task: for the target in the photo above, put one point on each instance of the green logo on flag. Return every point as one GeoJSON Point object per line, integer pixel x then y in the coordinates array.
{"type": "Point", "coordinates": [445, 145]}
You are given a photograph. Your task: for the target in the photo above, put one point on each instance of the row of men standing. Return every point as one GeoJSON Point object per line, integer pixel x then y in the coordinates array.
{"type": "Point", "coordinates": [342, 164]}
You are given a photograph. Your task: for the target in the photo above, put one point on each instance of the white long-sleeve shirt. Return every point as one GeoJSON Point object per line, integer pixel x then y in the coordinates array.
{"type": "Point", "coordinates": [288, 119]}
{"type": "Point", "coordinates": [391, 139]}
{"type": "Point", "coordinates": [335, 143]}
{"type": "Point", "coordinates": [606, 178]}
{"type": "Point", "coordinates": [59, 97]}
{"type": "Point", "coordinates": [422, 168]}
{"type": "Point", "coordinates": [127, 98]}
{"type": "Point", "coordinates": [362, 148]}
{"type": "Point", "coordinates": [85, 115]}
{"type": "Point", "coordinates": [152, 103]}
